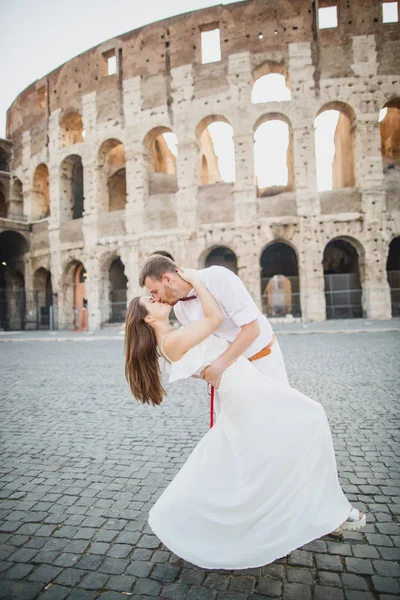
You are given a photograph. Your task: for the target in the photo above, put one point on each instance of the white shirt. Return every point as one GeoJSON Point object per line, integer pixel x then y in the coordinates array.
{"type": "Point", "coordinates": [236, 303]}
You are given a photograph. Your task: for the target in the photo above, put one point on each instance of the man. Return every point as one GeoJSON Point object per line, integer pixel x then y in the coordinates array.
{"type": "Point", "coordinates": [244, 326]}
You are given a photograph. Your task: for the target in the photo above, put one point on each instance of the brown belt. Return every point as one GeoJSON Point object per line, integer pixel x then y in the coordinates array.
{"type": "Point", "coordinates": [264, 352]}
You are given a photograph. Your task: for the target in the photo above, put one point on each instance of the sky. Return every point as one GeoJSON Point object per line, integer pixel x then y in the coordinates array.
{"type": "Point", "coordinates": [37, 37]}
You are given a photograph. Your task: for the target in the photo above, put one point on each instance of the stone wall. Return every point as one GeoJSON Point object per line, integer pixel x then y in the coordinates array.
{"type": "Point", "coordinates": [161, 83]}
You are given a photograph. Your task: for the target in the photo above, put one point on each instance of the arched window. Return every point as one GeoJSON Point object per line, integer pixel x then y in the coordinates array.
{"type": "Point", "coordinates": [71, 129]}
{"type": "Point", "coordinates": [12, 284]}
{"type": "Point", "coordinates": [3, 203]}
{"type": "Point", "coordinates": [343, 293]}
{"type": "Point", "coordinates": [112, 175]}
{"type": "Point", "coordinates": [389, 118]}
{"type": "Point", "coordinates": [118, 284]}
{"type": "Point", "coordinates": [334, 143]}
{"type": "Point", "coordinates": [270, 88]}
{"type": "Point", "coordinates": [72, 198]}
{"type": "Point", "coordinates": [162, 150]}
{"type": "Point", "coordinates": [280, 285]}
{"type": "Point", "coordinates": [393, 275]}
{"type": "Point", "coordinates": [273, 155]}
{"type": "Point", "coordinates": [223, 257]}
{"type": "Point", "coordinates": [40, 193]}
{"type": "Point", "coordinates": [217, 150]}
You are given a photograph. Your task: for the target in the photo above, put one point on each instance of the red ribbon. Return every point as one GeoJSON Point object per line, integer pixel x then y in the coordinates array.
{"type": "Point", "coordinates": [211, 394]}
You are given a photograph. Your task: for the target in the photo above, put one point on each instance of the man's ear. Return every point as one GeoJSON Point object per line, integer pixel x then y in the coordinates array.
{"type": "Point", "coordinates": [168, 277]}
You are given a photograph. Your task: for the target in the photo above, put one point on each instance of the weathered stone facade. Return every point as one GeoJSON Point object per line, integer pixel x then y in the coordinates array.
{"type": "Point", "coordinates": [80, 119]}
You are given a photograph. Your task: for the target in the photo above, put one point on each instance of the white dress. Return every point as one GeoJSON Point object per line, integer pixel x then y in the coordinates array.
{"type": "Point", "coordinates": [262, 482]}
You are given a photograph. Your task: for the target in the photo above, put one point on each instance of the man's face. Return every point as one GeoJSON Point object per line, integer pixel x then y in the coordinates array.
{"type": "Point", "coordinates": [164, 289]}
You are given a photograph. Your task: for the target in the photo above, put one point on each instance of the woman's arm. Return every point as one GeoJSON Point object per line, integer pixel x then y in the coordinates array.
{"type": "Point", "coordinates": [178, 342]}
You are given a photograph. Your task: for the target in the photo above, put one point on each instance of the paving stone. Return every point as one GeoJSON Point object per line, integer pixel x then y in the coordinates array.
{"type": "Point", "coordinates": [70, 577]}
{"type": "Point", "coordinates": [66, 560]}
{"type": "Point", "coordinates": [121, 583]}
{"type": "Point", "coordinates": [242, 584]}
{"type": "Point", "coordinates": [359, 565]}
{"type": "Point", "coordinates": [88, 562]}
{"type": "Point", "coordinates": [296, 591]}
{"type": "Point", "coordinates": [147, 587]}
{"type": "Point", "coordinates": [105, 535]}
{"type": "Point", "coordinates": [114, 566]}
{"type": "Point", "coordinates": [165, 573]}
{"type": "Point", "coordinates": [94, 581]}
{"type": "Point", "coordinates": [201, 593]}
{"type": "Point", "coordinates": [354, 582]}
{"type": "Point", "coordinates": [269, 587]}
{"type": "Point", "coordinates": [18, 590]}
{"type": "Point", "coordinates": [119, 551]}
{"type": "Point", "coordinates": [191, 576]}
{"type": "Point", "coordinates": [301, 558]}
{"type": "Point", "coordinates": [323, 592]}
{"type": "Point", "coordinates": [325, 578]}
{"type": "Point", "coordinates": [386, 568]}
{"type": "Point", "coordinates": [387, 585]}
{"type": "Point", "coordinates": [296, 575]}
{"type": "Point", "coordinates": [175, 591]}
{"type": "Point", "coordinates": [139, 568]}
{"type": "Point", "coordinates": [216, 581]}
{"type": "Point", "coordinates": [55, 592]}
{"type": "Point", "coordinates": [365, 551]}
{"type": "Point", "coordinates": [82, 595]}
{"type": "Point", "coordinates": [45, 573]}
{"type": "Point", "coordinates": [99, 548]}
{"type": "Point", "coordinates": [19, 571]}
{"type": "Point", "coordinates": [327, 562]}
{"type": "Point", "coordinates": [231, 595]}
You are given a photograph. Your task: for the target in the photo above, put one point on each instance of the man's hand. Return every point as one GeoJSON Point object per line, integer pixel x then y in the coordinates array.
{"type": "Point", "coordinates": [213, 373]}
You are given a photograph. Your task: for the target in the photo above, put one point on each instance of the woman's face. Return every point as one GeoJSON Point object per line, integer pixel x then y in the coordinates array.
{"type": "Point", "coordinates": [158, 310]}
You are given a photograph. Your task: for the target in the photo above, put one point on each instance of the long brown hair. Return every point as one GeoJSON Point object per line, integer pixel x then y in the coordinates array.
{"type": "Point", "coordinates": [142, 370]}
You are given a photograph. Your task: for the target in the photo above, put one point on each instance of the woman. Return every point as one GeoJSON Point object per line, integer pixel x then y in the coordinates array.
{"type": "Point", "coordinates": [263, 480]}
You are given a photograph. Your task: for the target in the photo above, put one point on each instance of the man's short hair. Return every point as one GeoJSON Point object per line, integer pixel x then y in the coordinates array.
{"type": "Point", "coordinates": [156, 266]}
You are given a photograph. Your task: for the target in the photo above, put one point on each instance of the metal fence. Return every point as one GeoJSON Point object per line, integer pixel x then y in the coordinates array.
{"type": "Point", "coordinates": [24, 310]}
{"type": "Point", "coordinates": [394, 282]}
{"type": "Point", "coordinates": [117, 306]}
{"type": "Point", "coordinates": [343, 296]}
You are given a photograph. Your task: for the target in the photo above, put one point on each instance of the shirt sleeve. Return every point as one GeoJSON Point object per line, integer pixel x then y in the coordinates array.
{"type": "Point", "coordinates": [235, 300]}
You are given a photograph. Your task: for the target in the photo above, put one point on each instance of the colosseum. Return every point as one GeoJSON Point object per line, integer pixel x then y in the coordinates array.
{"type": "Point", "coordinates": [263, 135]}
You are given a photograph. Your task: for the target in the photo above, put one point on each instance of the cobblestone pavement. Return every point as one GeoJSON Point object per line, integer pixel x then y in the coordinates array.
{"type": "Point", "coordinates": [82, 463]}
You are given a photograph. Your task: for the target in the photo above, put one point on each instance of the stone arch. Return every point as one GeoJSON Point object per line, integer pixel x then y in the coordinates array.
{"type": "Point", "coordinates": [72, 192]}
{"type": "Point", "coordinates": [393, 275]}
{"type": "Point", "coordinates": [43, 292]}
{"type": "Point", "coordinates": [223, 257]}
{"type": "Point", "coordinates": [335, 131]}
{"type": "Point", "coordinates": [3, 202]}
{"type": "Point", "coordinates": [112, 172]}
{"type": "Point", "coordinates": [40, 193]}
{"type": "Point", "coordinates": [280, 282]}
{"type": "Point", "coordinates": [71, 128]}
{"type": "Point", "coordinates": [74, 295]}
{"type": "Point", "coordinates": [217, 150]}
{"type": "Point", "coordinates": [162, 151]}
{"type": "Point", "coordinates": [16, 205]}
{"type": "Point", "coordinates": [13, 246]}
{"type": "Point", "coordinates": [118, 282]}
{"type": "Point", "coordinates": [273, 155]}
{"type": "Point", "coordinates": [4, 160]}
{"type": "Point", "coordinates": [389, 119]}
{"type": "Point", "coordinates": [343, 263]}
{"type": "Point", "coordinates": [271, 83]}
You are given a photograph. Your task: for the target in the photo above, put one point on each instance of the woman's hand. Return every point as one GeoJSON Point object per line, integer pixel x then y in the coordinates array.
{"type": "Point", "coordinates": [188, 275]}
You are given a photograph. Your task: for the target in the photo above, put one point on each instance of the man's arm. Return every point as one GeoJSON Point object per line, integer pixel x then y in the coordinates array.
{"type": "Point", "coordinates": [248, 334]}
{"type": "Point", "coordinates": [234, 298]}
